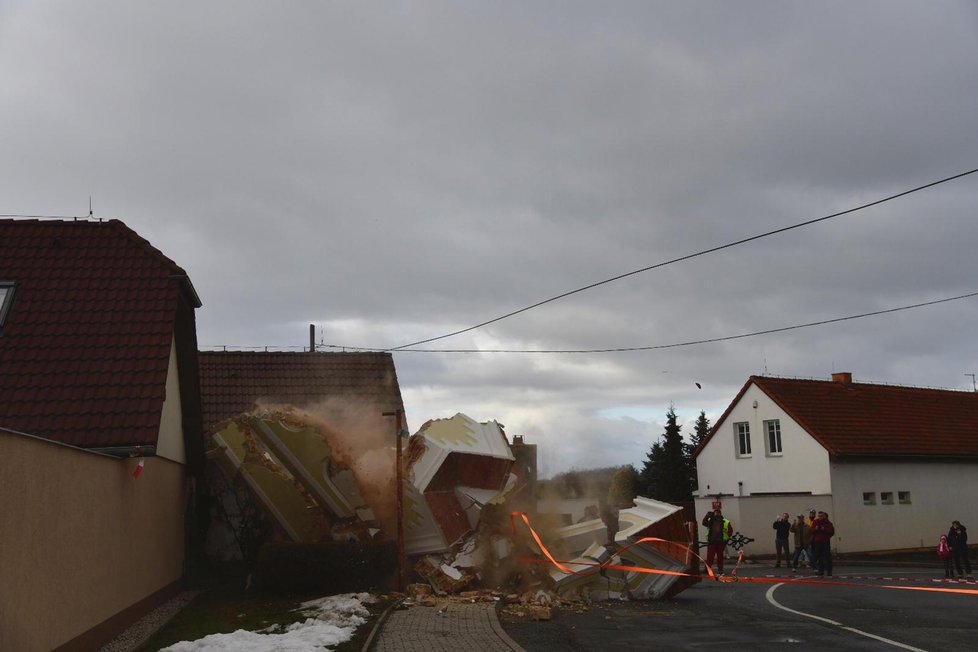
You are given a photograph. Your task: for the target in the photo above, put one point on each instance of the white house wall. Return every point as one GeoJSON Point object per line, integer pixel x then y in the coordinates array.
{"type": "Point", "coordinates": [939, 493]}
{"type": "Point", "coordinates": [803, 465]}
{"type": "Point", "coordinates": [170, 442]}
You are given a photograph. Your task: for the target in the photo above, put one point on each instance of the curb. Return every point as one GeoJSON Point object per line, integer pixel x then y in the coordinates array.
{"type": "Point", "coordinates": [497, 628]}
{"type": "Point", "coordinates": [372, 637]}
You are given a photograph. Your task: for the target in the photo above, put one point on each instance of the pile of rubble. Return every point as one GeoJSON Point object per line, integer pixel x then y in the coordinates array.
{"type": "Point", "coordinates": [461, 483]}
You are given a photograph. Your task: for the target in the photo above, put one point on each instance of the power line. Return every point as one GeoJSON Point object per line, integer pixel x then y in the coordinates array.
{"type": "Point", "coordinates": [686, 257]}
{"type": "Point", "coordinates": [674, 345]}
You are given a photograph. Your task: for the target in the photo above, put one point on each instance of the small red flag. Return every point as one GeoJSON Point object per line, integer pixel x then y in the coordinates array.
{"type": "Point", "coordinates": [139, 467]}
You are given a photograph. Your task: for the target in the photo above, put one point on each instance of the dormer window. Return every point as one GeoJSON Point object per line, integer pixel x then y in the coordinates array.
{"type": "Point", "coordinates": [6, 298]}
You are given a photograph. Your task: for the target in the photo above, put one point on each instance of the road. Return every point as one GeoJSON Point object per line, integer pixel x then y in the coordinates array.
{"type": "Point", "coordinates": [853, 611]}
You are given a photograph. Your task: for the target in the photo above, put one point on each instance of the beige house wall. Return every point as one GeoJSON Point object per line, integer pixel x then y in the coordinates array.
{"type": "Point", "coordinates": [81, 539]}
{"type": "Point", "coordinates": [170, 443]}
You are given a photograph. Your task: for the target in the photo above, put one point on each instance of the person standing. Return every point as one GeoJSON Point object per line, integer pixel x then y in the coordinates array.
{"type": "Point", "coordinates": [782, 527]}
{"type": "Point", "coordinates": [800, 530]}
{"type": "Point", "coordinates": [808, 542]}
{"type": "Point", "coordinates": [957, 538]}
{"type": "Point", "coordinates": [822, 532]}
{"type": "Point", "coordinates": [944, 554]}
{"type": "Point", "coordinates": [718, 531]}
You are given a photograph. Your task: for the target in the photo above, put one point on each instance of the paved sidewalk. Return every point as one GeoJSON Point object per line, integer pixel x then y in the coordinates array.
{"type": "Point", "coordinates": [449, 628]}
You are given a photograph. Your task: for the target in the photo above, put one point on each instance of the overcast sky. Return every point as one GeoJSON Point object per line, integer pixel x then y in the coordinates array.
{"type": "Point", "coordinates": [393, 172]}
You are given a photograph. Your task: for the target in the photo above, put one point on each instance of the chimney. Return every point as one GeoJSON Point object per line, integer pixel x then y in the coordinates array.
{"type": "Point", "coordinates": [312, 338]}
{"type": "Point", "coordinates": [843, 377]}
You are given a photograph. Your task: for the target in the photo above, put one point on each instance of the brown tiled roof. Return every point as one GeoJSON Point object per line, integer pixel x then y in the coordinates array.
{"type": "Point", "coordinates": [85, 347]}
{"type": "Point", "coordinates": [232, 382]}
{"type": "Point", "coordinates": [868, 420]}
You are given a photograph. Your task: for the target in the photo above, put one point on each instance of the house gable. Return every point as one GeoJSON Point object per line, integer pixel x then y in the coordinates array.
{"type": "Point", "coordinates": [86, 345]}
{"type": "Point", "coordinates": [799, 465]}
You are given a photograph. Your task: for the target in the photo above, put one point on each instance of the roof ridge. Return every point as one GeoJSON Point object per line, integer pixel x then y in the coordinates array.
{"type": "Point", "coordinates": [864, 384]}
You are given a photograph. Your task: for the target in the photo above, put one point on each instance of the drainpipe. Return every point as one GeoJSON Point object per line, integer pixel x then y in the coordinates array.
{"type": "Point", "coordinates": [125, 452]}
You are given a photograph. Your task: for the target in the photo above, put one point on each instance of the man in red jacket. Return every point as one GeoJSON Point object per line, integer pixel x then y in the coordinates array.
{"type": "Point", "coordinates": [822, 531]}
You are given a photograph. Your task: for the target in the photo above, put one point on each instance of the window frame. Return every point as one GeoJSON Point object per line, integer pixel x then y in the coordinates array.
{"type": "Point", "coordinates": [904, 498]}
{"type": "Point", "coordinates": [886, 498]}
{"type": "Point", "coordinates": [767, 438]}
{"type": "Point", "coordinates": [742, 439]}
{"type": "Point", "coordinates": [7, 300]}
{"type": "Point", "coordinates": [869, 498]}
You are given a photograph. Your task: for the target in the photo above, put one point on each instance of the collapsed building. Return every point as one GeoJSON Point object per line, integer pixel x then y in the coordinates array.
{"type": "Point", "coordinates": [326, 472]}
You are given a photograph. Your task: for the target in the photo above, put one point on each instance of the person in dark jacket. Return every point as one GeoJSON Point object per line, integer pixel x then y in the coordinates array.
{"type": "Point", "coordinates": [822, 532]}
{"type": "Point", "coordinates": [800, 530]}
{"type": "Point", "coordinates": [957, 538]}
{"type": "Point", "coordinates": [782, 527]}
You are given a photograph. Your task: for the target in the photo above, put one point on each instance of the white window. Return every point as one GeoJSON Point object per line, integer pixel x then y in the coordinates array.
{"type": "Point", "coordinates": [886, 497]}
{"type": "Point", "coordinates": [903, 497]}
{"type": "Point", "coordinates": [773, 430]}
{"type": "Point", "coordinates": [742, 431]}
{"type": "Point", "coordinates": [869, 498]}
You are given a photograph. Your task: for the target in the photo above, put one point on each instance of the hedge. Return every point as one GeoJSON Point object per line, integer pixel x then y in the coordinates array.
{"type": "Point", "coordinates": [333, 567]}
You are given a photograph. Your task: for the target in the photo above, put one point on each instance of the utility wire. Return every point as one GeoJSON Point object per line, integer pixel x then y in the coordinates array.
{"type": "Point", "coordinates": [673, 345]}
{"type": "Point", "coordinates": [686, 257]}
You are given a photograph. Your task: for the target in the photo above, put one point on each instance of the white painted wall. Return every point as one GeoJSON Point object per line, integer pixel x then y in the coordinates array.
{"type": "Point", "coordinates": [170, 443]}
{"type": "Point", "coordinates": [803, 465]}
{"type": "Point", "coordinates": [939, 492]}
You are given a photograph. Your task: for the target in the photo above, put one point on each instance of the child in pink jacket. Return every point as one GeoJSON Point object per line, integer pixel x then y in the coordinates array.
{"type": "Point", "coordinates": [944, 552]}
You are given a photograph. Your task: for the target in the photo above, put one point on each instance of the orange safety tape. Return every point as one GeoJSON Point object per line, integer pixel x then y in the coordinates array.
{"type": "Point", "coordinates": [621, 551]}
{"type": "Point", "coordinates": [733, 578]}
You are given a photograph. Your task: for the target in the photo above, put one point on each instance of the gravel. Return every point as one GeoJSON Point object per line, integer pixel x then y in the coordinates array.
{"type": "Point", "coordinates": [140, 631]}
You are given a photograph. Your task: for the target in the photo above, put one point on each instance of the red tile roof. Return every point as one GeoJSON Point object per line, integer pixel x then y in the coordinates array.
{"type": "Point", "coordinates": [232, 382]}
{"type": "Point", "coordinates": [85, 347]}
{"type": "Point", "coordinates": [868, 420]}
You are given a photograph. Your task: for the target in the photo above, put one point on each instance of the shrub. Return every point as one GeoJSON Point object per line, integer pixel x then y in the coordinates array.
{"type": "Point", "coordinates": [333, 567]}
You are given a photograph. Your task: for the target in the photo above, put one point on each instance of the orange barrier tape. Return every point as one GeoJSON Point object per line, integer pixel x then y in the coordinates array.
{"type": "Point", "coordinates": [732, 578]}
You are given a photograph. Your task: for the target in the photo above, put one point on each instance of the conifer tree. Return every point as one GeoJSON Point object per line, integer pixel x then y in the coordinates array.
{"type": "Point", "coordinates": [666, 474]}
{"type": "Point", "coordinates": [700, 430]}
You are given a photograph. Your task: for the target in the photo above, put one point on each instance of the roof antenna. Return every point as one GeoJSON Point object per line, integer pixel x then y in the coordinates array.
{"type": "Point", "coordinates": [90, 214]}
{"type": "Point", "coordinates": [974, 384]}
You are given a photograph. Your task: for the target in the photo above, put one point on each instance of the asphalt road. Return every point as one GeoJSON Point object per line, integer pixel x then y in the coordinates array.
{"type": "Point", "coordinates": [852, 611]}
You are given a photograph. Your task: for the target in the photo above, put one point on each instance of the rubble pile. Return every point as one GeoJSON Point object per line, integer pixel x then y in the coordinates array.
{"type": "Point", "coordinates": [461, 484]}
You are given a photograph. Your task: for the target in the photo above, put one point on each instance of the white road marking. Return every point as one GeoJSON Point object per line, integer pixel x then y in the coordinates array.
{"type": "Point", "coordinates": [770, 598]}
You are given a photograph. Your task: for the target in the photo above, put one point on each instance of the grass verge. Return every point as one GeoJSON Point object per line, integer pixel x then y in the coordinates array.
{"type": "Point", "coordinates": [226, 607]}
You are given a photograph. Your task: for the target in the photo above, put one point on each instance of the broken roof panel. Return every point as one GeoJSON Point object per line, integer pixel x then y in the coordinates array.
{"type": "Point", "coordinates": [480, 454]}
{"type": "Point", "coordinates": [237, 456]}
{"type": "Point", "coordinates": [307, 456]}
{"type": "Point", "coordinates": [648, 518]}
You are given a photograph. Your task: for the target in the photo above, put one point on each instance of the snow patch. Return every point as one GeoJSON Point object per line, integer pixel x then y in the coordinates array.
{"type": "Point", "coordinates": [329, 621]}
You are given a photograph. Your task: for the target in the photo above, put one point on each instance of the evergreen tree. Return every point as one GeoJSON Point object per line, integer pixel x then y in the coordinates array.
{"type": "Point", "coordinates": [649, 476]}
{"type": "Point", "coordinates": [700, 430]}
{"type": "Point", "coordinates": [667, 474]}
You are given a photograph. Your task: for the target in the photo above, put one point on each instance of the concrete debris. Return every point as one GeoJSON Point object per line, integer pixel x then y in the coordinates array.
{"type": "Point", "coordinates": [589, 541]}
{"type": "Point", "coordinates": [452, 580]}
{"type": "Point", "coordinates": [457, 467]}
{"type": "Point", "coordinates": [461, 482]}
{"type": "Point", "coordinates": [284, 458]}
